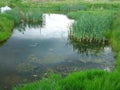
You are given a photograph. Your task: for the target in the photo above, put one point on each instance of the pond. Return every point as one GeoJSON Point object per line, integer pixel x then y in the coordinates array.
{"type": "Point", "coordinates": [35, 51]}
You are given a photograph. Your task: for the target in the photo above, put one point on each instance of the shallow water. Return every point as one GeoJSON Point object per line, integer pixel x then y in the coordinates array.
{"type": "Point", "coordinates": [33, 52]}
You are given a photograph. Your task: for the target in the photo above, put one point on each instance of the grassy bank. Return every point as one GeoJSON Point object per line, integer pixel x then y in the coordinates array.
{"type": "Point", "coordinates": [84, 80]}
{"type": "Point", "coordinates": [6, 27]}
{"type": "Point", "coordinates": [72, 6]}
{"type": "Point", "coordinates": [15, 17]}
{"type": "Point", "coordinates": [115, 40]}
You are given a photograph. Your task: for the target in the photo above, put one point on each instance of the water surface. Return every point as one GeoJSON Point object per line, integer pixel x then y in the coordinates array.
{"type": "Point", "coordinates": [32, 52]}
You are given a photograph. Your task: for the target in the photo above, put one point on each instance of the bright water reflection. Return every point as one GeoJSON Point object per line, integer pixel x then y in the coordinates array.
{"type": "Point", "coordinates": [32, 52]}
{"type": "Point", "coordinates": [56, 26]}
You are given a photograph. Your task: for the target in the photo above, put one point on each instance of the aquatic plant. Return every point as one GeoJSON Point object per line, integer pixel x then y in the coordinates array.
{"type": "Point", "coordinates": [19, 16]}
{"type": "Point", "coordinates": [33, 16]}
{"type": "Point", "coordinates": [91, 27]}
{"type": "Point", "coordinates": [13, 15]}
{"type": "Point", "coordinates": [90, 80]}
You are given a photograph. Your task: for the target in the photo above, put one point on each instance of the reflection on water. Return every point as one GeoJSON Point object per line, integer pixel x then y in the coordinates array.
{"type": "Point", "coordinates": [32, 52]}
{"type": "Point", "coordinates": [22, 27]}
{"type": "Point", "coordinates": [87, 47]}
{"type": "Point", "coordinates": [54, 27]}
{"type": "Point", "coordinates": [2, 43]}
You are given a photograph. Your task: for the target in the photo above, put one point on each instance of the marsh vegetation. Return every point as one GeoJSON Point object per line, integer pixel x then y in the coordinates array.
{"type": "Point", "coordinates": [77, 49]}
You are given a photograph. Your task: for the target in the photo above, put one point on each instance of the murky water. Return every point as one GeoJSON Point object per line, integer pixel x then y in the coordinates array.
{"type": "Point", "coordinates": [32, 52]}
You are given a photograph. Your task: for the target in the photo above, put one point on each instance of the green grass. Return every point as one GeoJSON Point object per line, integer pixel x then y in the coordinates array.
{"type": "Point", "coordinates": [84, 80]}
{"type": "Point", "coordinates": [24, 16]}
{"type": "Point", "coordinates": [6, 27]}
{"type": "Point", "coordinates": [91, 80]}
{"type": "Point", "coordinates": [76, 15]}
{"type": "Point", "coordinates": [11, 3]}
{"type": "Point", "coordinates": [98, 21]}
{"type": "Point", "coordinates": [51, 83]}
{"type": "Point", "coordinates": [15, 17]}
{"type": "Point", "coordinates": [69, 5]}
{"type": "Point", "coordinates": [32, 15]}
{"type": "Point", "coordinates": [115, 39]}
{"type": "Point", "coordinates": [91, 25]}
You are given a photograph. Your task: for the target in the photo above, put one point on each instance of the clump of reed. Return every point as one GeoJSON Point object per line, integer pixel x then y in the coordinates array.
{"type": "Point", "coordinates": [13, 15]}
{"type": "Point", "coordinates": [21, 16]}
{"type": "Point", "coordinates": [91, 27]}
{"type": "Point", "coordinates": [16, 17]}
{"type": "Point", "coordinates": [32, 16]}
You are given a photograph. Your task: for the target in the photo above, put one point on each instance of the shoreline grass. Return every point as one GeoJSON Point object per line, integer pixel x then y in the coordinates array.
{"type": "Point", "coordinates": [15, 17]}
{"type": "Point", "coordinates": [115, 40]}
{"type": "Point", "coordinates": [83, 80]}
{"type": "Point", "coordinates": [6, 27]}
{"type": "Point", "coordinates": [91, 26]}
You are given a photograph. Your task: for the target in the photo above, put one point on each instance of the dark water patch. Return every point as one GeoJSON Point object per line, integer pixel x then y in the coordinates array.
{"type": "Point", "coordinates": [32, 52]}
{"type": "Point", "coordinates": [2, 43]}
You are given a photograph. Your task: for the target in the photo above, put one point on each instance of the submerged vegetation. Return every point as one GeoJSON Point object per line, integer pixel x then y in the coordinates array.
{"type": "Point", "coordinates": [91, 26]}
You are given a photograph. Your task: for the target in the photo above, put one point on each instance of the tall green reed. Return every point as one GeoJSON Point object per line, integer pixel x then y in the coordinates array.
{"type": "Point", "coordinates": [91, 27]}
{"type": "Point", "coordinates": [31, 16]}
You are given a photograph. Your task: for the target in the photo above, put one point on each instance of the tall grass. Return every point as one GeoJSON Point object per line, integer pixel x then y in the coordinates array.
{"type": "Point", "coordinates": [11, 3]}
{"type": "Point", "coordinates": [69, 5]}
{"type": "Point", "coordinates": [15, 17]}
{"type": "Point", "coordinates": [74, 7]}
{"type": "Point", "coordinates": [92, 80]}
{"type": "Point", "coordinates": [32, 16]}
{"type": "Point", "coordinates": [6, 27]}
{"type": "Point", "coordinates": [115, 40]}
{"type": "Point", "coordinates": [91, 27]}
